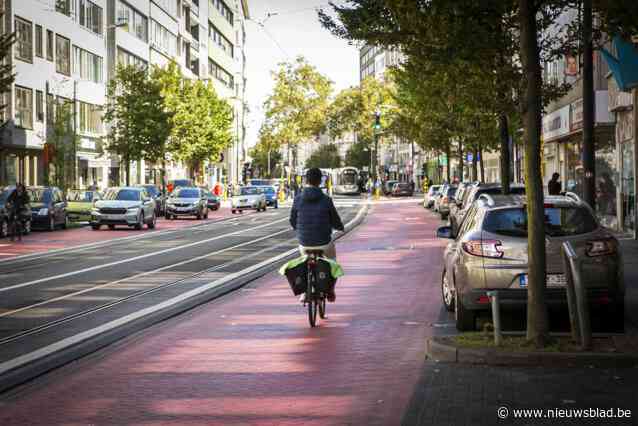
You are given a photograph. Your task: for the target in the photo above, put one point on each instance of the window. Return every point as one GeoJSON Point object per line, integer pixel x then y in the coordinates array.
{"type": "Point", "coordinates": [50, 108]}
{"type": "Point", "coordinates": [223, 9]}
{"type": "Point", "coordinates": [50, 45]}
{"type": "Point", "coordinates": [90, 16]}
{"type": "Point", "coordinates": [63, 6]}
{"type": "Point", "coordinates": [125, 58]}
{"type": "Point", "coordinates": [39, 106]}
{"type": "Point", "coordinates": [24, 107]}
{"type": "Point", "coordinates": [62, 55]}
{"type": "Point", "coordinates": [221, 74]}
{"type": "Point", "coordinates": [559, 222]}
{"type": "Point", "coordinates": [24, 40]}
{"type": "Point", "coordinates": [221, 41]}
{"type": "Point", "coordinates": [87, 65]}
{"type": "Point", "coordinates": [90, 118]}
{"type": "Point", "coordinates": [163, 39]}
{"type": "Point", "coordinates": [169, 6]}
{"type": "Point", "coordinates": [38, 41]}
{"type": "Point", "coordinates": [137, 23]}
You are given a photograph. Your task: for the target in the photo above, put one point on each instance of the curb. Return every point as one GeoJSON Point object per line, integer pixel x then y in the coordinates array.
{"type": "Point", "coordinates": [23, 374]}
{"type": "Point", "coordinates": [440, 349]}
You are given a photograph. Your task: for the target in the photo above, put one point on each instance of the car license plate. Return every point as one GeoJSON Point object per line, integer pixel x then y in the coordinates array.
{"type": "Point", "coordinates": [182, 209]}
{"type": "Point", "coordinates": [553, 280]}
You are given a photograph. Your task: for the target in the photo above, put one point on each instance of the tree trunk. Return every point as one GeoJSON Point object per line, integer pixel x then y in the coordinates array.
{"type": "Point", "coordinates": [480, 153]}
{"type": "Point", "coordinates": [460, 154]}
{"type": "Point", "coordinates": [128, 170]}
{"type": "Point", "coordinates": [505, 153]}
{"type": "Point", "coordinates": [475, 165]}
{"type": "Point", "coordinates": [448, 160]}
{"type": "Point", "coordinates": [589, 164]}
{"type": "Point", "coordinates": [531, 105]}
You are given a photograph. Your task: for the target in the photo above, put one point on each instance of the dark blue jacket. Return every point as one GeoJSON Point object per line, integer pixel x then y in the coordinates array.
{"type": "Point", "coordinates": [314, 216]}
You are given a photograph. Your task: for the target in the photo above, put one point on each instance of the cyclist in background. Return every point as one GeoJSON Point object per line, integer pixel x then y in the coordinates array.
{"type": "Point", "coordinates": [17, 202]}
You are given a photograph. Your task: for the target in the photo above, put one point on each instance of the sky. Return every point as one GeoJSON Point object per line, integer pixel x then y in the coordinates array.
{"type": "Point", "coordinates": [294, 31]}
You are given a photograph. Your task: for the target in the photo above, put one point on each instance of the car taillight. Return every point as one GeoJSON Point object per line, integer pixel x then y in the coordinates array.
{"type": "Point", "coordinates": [601, 247]}
{"type": "Point", "coordinates": [483, 248]}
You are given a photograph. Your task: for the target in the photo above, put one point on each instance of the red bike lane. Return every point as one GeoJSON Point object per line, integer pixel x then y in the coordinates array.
{"type": "Point", "coordinates": [250, 358]}
{"type": "Point", "coordinates": [43, 241]}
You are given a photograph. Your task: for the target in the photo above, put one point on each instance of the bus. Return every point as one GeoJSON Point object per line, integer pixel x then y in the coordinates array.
{"type": "Point", "coordinates": [345, 181]}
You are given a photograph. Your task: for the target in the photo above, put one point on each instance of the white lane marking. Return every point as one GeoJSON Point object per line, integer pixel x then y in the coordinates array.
{"type": "Point", "coordinates": [97, 287]}
{"type": "Point", "coordinates": [132, 259]}
{"type": "Point", "coordinates": [78, 338]}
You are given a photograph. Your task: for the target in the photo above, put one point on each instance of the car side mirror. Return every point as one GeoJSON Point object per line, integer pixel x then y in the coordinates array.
{"type": "Point", "coordinates": [444, 232]}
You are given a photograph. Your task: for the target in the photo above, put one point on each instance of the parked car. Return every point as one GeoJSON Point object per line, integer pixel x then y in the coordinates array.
{"type": "Point", "coordinates": [130, 206]}
{"type": "Point", "coordinates": [387, 186]}
{"type": "Point", "coordinates": [48, 208]}
{"type": "Point", "coordinates": [428, 199]}
{"type": "Point", "coordinates": [248, 198]}
{"type": "Point", "coordinates": [271, 196]}
{"type": "Point", "coordinates": [471, 194]}
{"type": "Point", "coordinates": [4, 213]}
{"type": "Point", "coordinates": [444, 202]}
{"type": "Point", "coordinates": [187, 201]}
{"type": "Point", "coordinates": [491, 253]}
{"type": "Point", "coordinates": [178, 183]}
{"type": "Point", "coordinates": [158, 196]}
{"type": "Point", "coordinates": [212, 201]}
{"type": "Point", "coordinates": [80, 204]}
{"type": "Point", "coordinates": [402, 189]}
{"type": "Point", "coordinates": [436, 197]}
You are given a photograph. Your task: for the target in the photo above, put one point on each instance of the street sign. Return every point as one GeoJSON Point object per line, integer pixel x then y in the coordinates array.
{"type": "Point", "coordinates": [366, 168]}
{"type": "Point", "coordinates": [470, 157]}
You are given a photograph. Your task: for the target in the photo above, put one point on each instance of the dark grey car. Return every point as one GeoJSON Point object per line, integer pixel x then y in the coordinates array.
{"type": "Point", "coordinates": [490, 253]}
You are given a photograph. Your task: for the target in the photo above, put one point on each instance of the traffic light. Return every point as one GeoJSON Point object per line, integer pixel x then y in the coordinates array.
{"type": "Point", "coordinates": [377, 120]}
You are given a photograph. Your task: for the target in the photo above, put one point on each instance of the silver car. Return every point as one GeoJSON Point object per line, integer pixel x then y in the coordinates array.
{"type": "Point", "coordinates": [442, 203]}
{"type": "Point", "coordinates": [128, 206]}
{"type": "Point", "coordinates": [428, 198]}
{"type": "Point", "coordinates": [248, 198]}
{"type": "Point", "coordinates": [187, 201]}
{"type": "Point", "coordinates": [490, 253]}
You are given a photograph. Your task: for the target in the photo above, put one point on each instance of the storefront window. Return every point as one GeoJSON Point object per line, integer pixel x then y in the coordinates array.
{"type": "Point", "coordinates": [574, 179]}
{"type": "Point", "coordinates": [627, 187]}
{"type": "Point", "coordinates": [606, 183]}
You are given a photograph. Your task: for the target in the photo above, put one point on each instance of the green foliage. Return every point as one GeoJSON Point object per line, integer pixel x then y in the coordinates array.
{"type": "Point", "coordinates": [63, 143]}
{"type": "Point", "coordinates": [140, 124]}
{"type": "Point", "coordinates": [297, 108]}
{"type": "Point", "coordinates": [359, 155]}
{"type": "Point", "coordinates": [325, 157]}
{"type": "Point", "coordinates": [261, 158]}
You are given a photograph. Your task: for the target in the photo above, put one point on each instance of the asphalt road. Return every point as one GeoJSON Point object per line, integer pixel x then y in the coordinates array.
{"type": "Point", "coordinates": [55, 297]}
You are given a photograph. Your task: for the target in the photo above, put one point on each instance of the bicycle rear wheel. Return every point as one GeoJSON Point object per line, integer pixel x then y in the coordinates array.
{"type": "Point", "coordinates": [312, 312]}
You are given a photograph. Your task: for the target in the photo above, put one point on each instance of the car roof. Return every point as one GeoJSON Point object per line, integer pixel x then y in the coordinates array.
{"type": "Point", "coordinates": [509, 201]}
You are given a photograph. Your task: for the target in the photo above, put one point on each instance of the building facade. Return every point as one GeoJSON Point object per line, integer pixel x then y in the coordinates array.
{"type": "Point", "coordinates": [67, 50]}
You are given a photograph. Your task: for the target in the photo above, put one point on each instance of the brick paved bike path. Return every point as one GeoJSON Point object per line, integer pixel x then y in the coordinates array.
{"type": "Point", "coordinates": [250, 358]}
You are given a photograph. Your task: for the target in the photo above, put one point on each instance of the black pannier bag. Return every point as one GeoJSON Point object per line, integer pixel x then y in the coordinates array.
{"type": "Point", "coordinates": [298, 277]}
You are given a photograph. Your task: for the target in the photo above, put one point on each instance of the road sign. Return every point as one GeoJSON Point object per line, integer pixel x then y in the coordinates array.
{"type": "Point", "coordinates": [470, 157]}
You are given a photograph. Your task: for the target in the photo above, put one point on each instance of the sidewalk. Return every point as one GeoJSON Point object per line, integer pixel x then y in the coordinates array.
{"type": "Point", "coordinates": [251, 358]}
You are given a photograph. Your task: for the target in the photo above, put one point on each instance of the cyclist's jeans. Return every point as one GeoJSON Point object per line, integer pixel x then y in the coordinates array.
{"type": "Point", "coordinates": [329, 250]}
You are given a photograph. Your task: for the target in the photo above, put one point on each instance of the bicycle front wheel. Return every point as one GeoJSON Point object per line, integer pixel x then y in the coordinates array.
{"type": "Point", "coordinates": [312, 312]}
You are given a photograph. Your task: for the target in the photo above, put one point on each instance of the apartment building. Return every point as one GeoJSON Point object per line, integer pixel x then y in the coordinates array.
{"type": "Point", "coordinates": [58, 56]}
{"type": "Point", "coordinates": [67, 50]}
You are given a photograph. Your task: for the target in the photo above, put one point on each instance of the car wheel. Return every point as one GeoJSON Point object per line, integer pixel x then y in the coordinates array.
{"type": "Point", "coordinates": [65, 225]}
{"type": "Point", "coordinates": [233, 211]}
{"type": "Point", "coordinates": [276, 205]}
{"type": "Point", "coordinates": [168, 216]}
{"type": "Point", "coordinates": [4, 228]}
{"type": "Point", "coordinates": [111, 227]}
{"type": "Point", "coordinates": [51, 224]}
{"type": "Point", "coordinates": [140, 222]}
{"type": "Point", "coordinates": [151, 224]}
{"type": "Point", "coordinates": [443, 216]}
{"type": "Point", "coordinates": [447, 293]}
{"type": "Point", "coordinates": [97, 227]}
{"type": "Point", "coordinates": [616, 317]}
{"type": "Point", "coordinates": [465, 318]}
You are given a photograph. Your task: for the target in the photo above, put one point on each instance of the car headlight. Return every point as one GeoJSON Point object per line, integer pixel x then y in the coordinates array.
{"type": "Point", "coordinates": [43, 212]}
{"type": "Point", "coordinates": [133, 209]}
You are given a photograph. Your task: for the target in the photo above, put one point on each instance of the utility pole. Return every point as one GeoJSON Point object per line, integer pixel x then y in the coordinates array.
{"type": "Point", "coordinates": [377, 129]}
{"type": "Point", "coordinates": [589, 183]}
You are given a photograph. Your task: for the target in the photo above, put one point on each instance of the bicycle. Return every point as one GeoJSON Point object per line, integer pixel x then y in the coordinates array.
{"type": "Point", "coordinates": [315, 297]}
{"type": "Point", "coordinates": [16, 225]}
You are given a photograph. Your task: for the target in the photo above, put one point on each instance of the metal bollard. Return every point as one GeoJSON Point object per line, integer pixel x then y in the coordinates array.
{"type": "Point", "coordinates": [568, 252]}
{"type": "Point", "coordinates": [496, 316]}
{"type": "Point", "coordinates": [582, 304]}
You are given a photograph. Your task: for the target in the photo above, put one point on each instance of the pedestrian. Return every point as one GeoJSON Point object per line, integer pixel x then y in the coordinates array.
{"type": "Point", "coordinates": [93, 186]}
{"type": "Point", "coordinates": [18, 200]}
{"type": "Point", "coordinates": [412, 186]}
{"type": "Point", "coordinates": [554, 186]}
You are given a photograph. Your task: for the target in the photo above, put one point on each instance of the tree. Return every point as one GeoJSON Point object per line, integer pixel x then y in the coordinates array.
{"type": "Point", "coordinates": [325, 157]}
{"type": "Point", "coordinates": [296, 110]}
{"type": "Point", "coordinates": [359, 155]}
{"type": "Point", "coordinates": [139, 122]}
{"type": "Point", "coordinates": [266, 160]}
{"type": "Point", "coordinates": [60, 146]}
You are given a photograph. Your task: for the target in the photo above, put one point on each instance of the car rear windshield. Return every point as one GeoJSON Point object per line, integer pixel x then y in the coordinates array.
{"type": "Point", "coordinates": [403, 185]}
{"type": "Point", "coordinates": [269, 190]}
{"type": "Point", "coordinates": [41, 195]}
{"type": "Point", "coordinates": [152, 190]}
{"type": "Point", "coordinates": [182, 182]}
{"type": "Point", "coordinates": [559, 221]}
{"type": "Point", "coordinates": [81, 196]}
{"type": "Point", "coordinates": [451, 192]}
{"type": "Point", "coordinates": [187, 193]}
{"type": "Point", "coordinates": [248, 190]}
{"type": "Point", "coordinates": [123, 195]}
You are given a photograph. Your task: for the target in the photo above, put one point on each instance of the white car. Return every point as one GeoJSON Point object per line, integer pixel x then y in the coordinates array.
{"type": "Point", "coordinates": [248, 198]}
{"type": "Point", "coordinates": [128, 206]}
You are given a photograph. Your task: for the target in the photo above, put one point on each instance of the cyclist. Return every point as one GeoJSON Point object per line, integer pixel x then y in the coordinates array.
{"type": "Point", "coordinates": [18, 200]}
{"type": "Point", "coordinates": [314, 216]}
